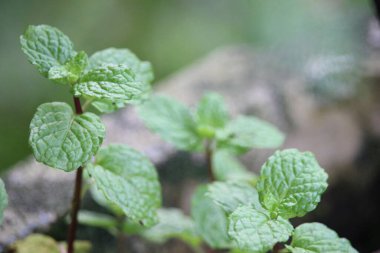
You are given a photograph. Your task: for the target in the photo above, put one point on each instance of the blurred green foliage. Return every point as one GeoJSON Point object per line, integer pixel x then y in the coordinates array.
{"type": "Point", "coordinates": [169, 33]}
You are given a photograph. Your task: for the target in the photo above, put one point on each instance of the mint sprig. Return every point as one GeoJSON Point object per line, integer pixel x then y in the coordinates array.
{"type": "Point", "coordinates": [68, 140]}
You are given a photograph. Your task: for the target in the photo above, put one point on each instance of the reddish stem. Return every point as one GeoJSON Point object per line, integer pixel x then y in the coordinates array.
{"type": "Point", "coordinates": [78, 106]}
{"type": "Point", "coordinates": [75, 204]}
{"type": "Point", "coordinates": [277, 247]}
{"type": "Point", "coordinates": [209, 154]}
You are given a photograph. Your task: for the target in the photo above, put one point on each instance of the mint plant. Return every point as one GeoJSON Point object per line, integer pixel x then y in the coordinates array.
{"type": "Point", "coordinates": [70, 140]}
{"type": "Point", "coordinates": [237, 211]}
{"type": "Point", "coordinates": [210, 130]}
{"type": "Point", "coordinates": [243, 213]}
{"type": "Point", "coordinates": [290, 185]}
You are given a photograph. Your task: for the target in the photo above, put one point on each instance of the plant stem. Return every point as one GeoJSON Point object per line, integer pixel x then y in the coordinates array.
{"type": "Point", "coordinates": [276, 248]}
{"type": "Point", "coordinates": [120, 237]}
{"type": "Point", "coordinates": [209, 153]}
{"type": "Point", "coordinates": [75, 204]}
{"type": "Point", "coordinates": [78, 106]}
{"type": "Point", "coordinates": [211, 177]}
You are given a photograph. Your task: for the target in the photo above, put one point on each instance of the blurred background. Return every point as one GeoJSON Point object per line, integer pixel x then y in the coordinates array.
{"type": "Point", "coordinates": [329, 44]}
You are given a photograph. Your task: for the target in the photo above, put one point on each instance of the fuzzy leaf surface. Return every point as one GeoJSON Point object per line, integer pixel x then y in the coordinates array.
{"type": "Point", "coordinates": [173, 224]}
{"type": "Point", "coordinates": [255, 231]}
{"type": "Point", "coordinates": [317, 238]}
{"type": "Point", "coordinates": [46, 47]}
{"type": "Point", "coordinates": [245, 133]}
{"type": "Point", "coordinates": [172, 121]}
{"type": "Point", "coordinates": [110, 83]}
{"type": "Point", "coordinates": [227, 167]}
{"type": "Point", "coordinates": [63, 140]}
{"type": "Point", "coordinates": [128, 180]}
{"type": "Point", "coordinates": [210, 220]}
{"type": "Point", "coordinates": [231, 195]}
{"type": "Point", "coordinates": [211, 114]}
{"type": "Point", "coordinates": [142, 69]}
{"type": "Point", "coordinates": [3, 200]}
{"type": "Point", "coordinates": [291, 183]}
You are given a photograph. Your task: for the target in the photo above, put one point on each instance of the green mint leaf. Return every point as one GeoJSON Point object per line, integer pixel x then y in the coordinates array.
{"type": "Point", "coordinates": [78, 63]}
{"type": "Point", "coordinates": [317, 238]}
{"type": "Point", "coordinates": [142, 69]}
{"type": "Point", "coordinates": [245, 133]}
{"type": "Point", "coordinates": [63, 140]}
{"type": "Point", "coordinates": [37, 243]}
{"type": "Point", "coordinates": [99, 220]}
{"type": "Point", "coordinates": [253, 230]}
{"type": "Point", "coordinates": [227, 167]}
{"type": "Point", "coordinates": [172, 121]}
{"type": "Point", "coordinates": [3, 200]}
{"type": "Point", "coordinates": [101, 200]}
{"type": "Point", "coordinates": [231, 195]}
{"type": "Point", "coordinates": [61, 75]}
{"type": "Point", "coordinates": [128, 180]}
{"type": "Point", "coordinates": [211, 114]}
{"type": "Point", "coordinates": [111, 83]}
{"type": "Point", "coordinates": [172, 224]}
{"type": "Point", "coordinates": [210, 220]}
{"type": "Point", "coordinates": [71, 71]}
{"type": "Point", "coordinates": [131, 228]}
{"type": "Point", "coordinates": [46, 47]}
{"type": "Point", "coordinates": [291, 183]}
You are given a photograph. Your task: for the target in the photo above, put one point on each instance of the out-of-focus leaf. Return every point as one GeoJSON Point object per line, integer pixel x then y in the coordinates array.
{"type": "Point", "coordinates": [245, 133]}
{"type": "Point", "coordinates": [211, 114]}
{"type": "Point", "coordinates": [210, 220]}
{"type": "Point", "coordinates": [231, 195]}
{"type": "Point", "coordinates": [128, 180]}
{"type": "Point", "coordinates": [173, 224]}
{"type": "Point", "coordinates": [172, 121]}
{"type": "Point", "coordinates": [227, 167]}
